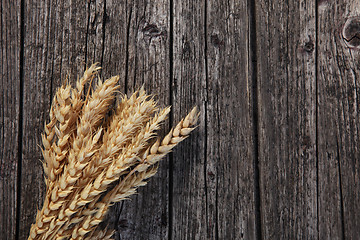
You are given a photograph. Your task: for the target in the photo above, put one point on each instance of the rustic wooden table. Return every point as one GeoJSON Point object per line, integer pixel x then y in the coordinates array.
{"type": "Point", "coordinates": [276, 153]}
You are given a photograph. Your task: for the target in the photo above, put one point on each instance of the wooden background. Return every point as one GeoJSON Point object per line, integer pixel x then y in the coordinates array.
{"type": "Point", "coordinates": [276, 154]}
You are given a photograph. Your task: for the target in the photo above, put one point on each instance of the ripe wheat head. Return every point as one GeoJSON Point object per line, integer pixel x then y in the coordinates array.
{"type": "Point", "coordinates": [96, 154]}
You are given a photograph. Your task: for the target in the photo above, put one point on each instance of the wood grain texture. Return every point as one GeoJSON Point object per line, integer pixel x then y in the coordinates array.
{"type": "Point", "coordinates": [286, 88]}
{"type": "Point", "coordinates": [9, 115]}
{"type": "Point", "coordinates": [275, 82]}
{"type": "Point", "coordinates": [338, 124]}
{"type": "Point", "coordinates": [230, 152]}
{"type": "Point", "coordinates": [145, 216]}
{"type": "Point", "coordinates": [95, 32]}
{"type": "Point", "coordinates": [54, 46]}
{"type": "Point", "coordinates": [188, 204]}
{"type": "Point", "coordinates": [115, 23]}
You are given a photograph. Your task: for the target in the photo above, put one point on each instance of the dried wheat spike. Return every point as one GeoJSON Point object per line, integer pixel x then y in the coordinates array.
{"type": "Point", "coordinates": [92, 191]}
{"type": "Point", "coordinates": [84, 146]}
{"type": "Point", "coordinates": [154, 154]}
{"type": "Point", "coordinates": [96, 155]}
{"type": "Point", "coordinates": [65, 109]}
{"type": "Point", "coordinates": [117, 167]}
{"type": "Point", "coordinates": [59, 149]}
{"type": "Point", "coordinates": [97, 212]}
{"type": "Point", "coordinates": [122, 127]}
{"type": "Point", "coordinates": [126, 159]}
{"type": "Point", "coordinates": [136, 114]}
{"type": "Point", "coordinates": [50, 153]}
{"type": "Point", "coordinates": [137, 177]}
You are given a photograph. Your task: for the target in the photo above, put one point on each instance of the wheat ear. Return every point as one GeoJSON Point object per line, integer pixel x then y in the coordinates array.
{"type": "Point", "coordinates": [49, 152]}
{"type": "Point", "coordinates": [136, 114]}
{"type": "Point", "coordinates": [59, 149]}
{"type": "Point", "coordinates": [83, 147]}
{"type": "Point", "coordinates": [137, 177]}
{"type": "Point", "coordinates": [92, 192]}
{"type": "Point", "coordinates": [118, 166]}
{"type": "Point", "coordinates": [65, 114]}
{"type": "Point", "coordinates": [93, 160]}
{"type": "Point", "coordinates": [126, 159]}
{"type": "Point", "coordinates": [122, 127]}
{"type": "Point", "coordinates": [47, 140]}
{"type": "Point", "coordinates": [96, 211]}
{"type": "Point", "coordinates": [154, 154]}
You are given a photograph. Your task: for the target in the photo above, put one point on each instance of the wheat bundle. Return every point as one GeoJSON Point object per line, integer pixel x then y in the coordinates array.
{"type": "Point", "coordinates": [96, 155]}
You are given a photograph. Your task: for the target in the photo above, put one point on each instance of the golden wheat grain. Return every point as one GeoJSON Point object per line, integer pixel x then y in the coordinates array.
{"type": "Point", "coordinates": [91, 163]}
{"type": "Point", "coordinates": [65, 114]}
{"type": "Point", "coordinates": [122, 127]}
{"type": "Point", "coordinates": [155, 153]}
{"type": "Point", "coordinates": [52, 152]}
{"type": "Point", "coordinates": [97, 211]}
{"type": "Point", "coordinates": [119, 165]}
{"type": "Point", "coordinates": [127, 158]}
{"type": "Point", "coordinates": [137, 113]}
{"type": "Point", "coordinates": [83, 147]}
{"type": "Point", "coordinates": [137, 177]}
{"type": "Point", "coordinates": [93, 190]}
{"type": "Point", "coordinates": [47, 139]}
{"type": "Point", "coordinates": [60, 148]}
{"type": "Point", "coordinates": [88, 133]}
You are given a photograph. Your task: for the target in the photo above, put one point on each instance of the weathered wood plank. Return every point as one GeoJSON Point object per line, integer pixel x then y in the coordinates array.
{"type": "Point", "coordinates": [95, 32]}
{"type": "Point", "coordinates": [115, 39]}
{"type": "Point", "coordinates": [287, 118]}
{"type": "Point", "coordinates": [307, 190]}
{"type": "Point", "coordinates": [136, 48]}
{"type": "Point", "coordinates": [230, 149]}
{"type": "Point", "coordinates": [338, 124]}
{"type": "Point", "coordinates": [10, 21]}
{"type": "Point", "coordinates": [114, 58]}
{"type": "Point", "coordinates": [213, 188]}
{"type": "Point", "coordinates": [189, 203]}
{"type": "Point", "coordinates": [55, 45]}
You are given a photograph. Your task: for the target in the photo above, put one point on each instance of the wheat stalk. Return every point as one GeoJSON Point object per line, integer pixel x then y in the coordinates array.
{"type": "Point", "coordinates": [93, 160]}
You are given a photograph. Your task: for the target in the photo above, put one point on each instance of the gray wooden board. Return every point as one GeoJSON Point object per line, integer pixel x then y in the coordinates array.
{"type": "Point", "coordinates": [187, 176]}
{"type": "Point", "coordinates": [213, 175]}
{"type": "Point", "coordinates": [54, 46]}
{"type": "Point", "coordinates": [136, 37]}
{"type": "Point", "coordinates": [230, 153]}
{"type": "Point", "coordinates": [9, 114]}
{"type": "Point", "coordinates": [338, 124]}
{"type": "Point", "coordinates": [286, 89]}
{"type": "Point", "coordinates": [296, 115]}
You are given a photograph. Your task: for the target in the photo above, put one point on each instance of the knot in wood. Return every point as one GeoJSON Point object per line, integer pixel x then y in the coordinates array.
{"type": "Point", "coordinates": [309, 46]}
{"type": "Point", "coordinates": [151, 30]}
{"type": "Point", "coordinates": [186, 51]}
{"type": "Point", "coordinates": [351, 32]}
{"type": "Point", "coordinates": [216, 41]}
